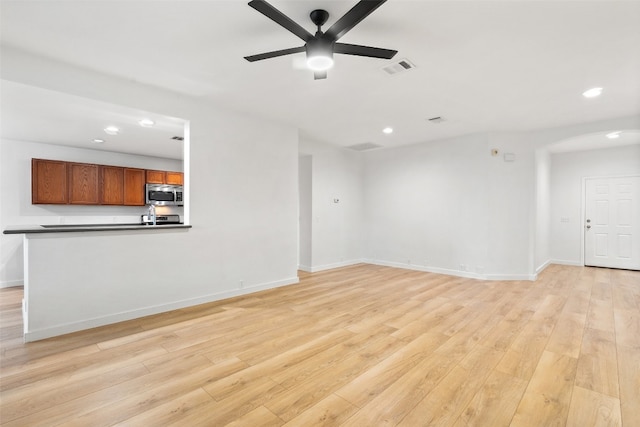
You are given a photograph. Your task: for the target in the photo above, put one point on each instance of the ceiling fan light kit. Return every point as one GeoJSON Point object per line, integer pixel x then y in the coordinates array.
{"type": "Point", "coordinates": [320, 47]}
{"type": "Point", "coordinates": [319, 55]}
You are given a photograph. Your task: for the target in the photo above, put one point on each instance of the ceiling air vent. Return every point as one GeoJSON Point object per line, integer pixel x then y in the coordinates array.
{"type": "Point", "coordinates": [364, 146]}
{"type": "Point", "coordinates": [399, 67]}
{"type": "Point", "coordinates": [436, 119]}
{"type": "Point", "coordinates": [178, 138]}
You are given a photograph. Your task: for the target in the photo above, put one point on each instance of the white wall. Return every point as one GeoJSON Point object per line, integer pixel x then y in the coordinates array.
{"type": "Point", "coordinates": [427, 207]}
{"type": "Point", "coordinates": [15, 176]}
{"type": "Point", "coordinates": [242, 184]}
{"type": "Point", "coordinates": [336, 227]}
{"type": "Point", "coordinates": [567, 171]}
{"type": "Point", "coordinates": [543, 209]}
{"type": "Point", "coordinates": [510, 187]}
{"type": "Point", "coordinates": [305, 213]}
{"type": "Point", "coordinates": [452, 207]}
{"type": "Point", "coordinates": [446, 206]}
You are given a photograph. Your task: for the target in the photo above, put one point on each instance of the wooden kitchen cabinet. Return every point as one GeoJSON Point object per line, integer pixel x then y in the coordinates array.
{"type": "Point", "coordinates": [83, 184]}
{"type": "Point", "coordinates": [165, 177]}
{"type": "Point", "coordinates": [134, 181]}
{"type": "Point", "coordinates": [49, 182]}
{"type": "Point", "coordinates": [175, 178]}
{"type": "Point", "coordinates": [121, 186]}
{"type": "Point", "coordinates": [111, 185]}
{"type": "Point", "coordinates": [60, 182]}
{"type": "Point", "coordinates": [155, 177]}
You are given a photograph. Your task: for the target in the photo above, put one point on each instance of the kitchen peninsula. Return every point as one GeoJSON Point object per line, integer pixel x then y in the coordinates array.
{"type": "Point", "coordinates": [71, 228]}
{"type": "Point", "coordinates": [82, 276]}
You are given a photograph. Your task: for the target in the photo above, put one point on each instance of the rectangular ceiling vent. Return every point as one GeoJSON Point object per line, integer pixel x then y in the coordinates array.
{"type": "Point", "coordinates": [399, 67]}
{"type": "Point", "coordinates": [364, 146]}
{"type": "Point", "coordinates": [178, 138]}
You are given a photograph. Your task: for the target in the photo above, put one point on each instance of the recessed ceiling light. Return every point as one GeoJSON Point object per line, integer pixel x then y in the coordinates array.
{"type": "Point", "coordinates": [613, 135]}
{"type": "Point", "coordinates": [146, 123]}
{"type": "Point", "coordinates": [592, 93]}
{"type": "Point", "coordinates": [111, 130]}
{"type": "Point", "coordinates": [387, 130]}
{"type": "Point", "coordinates": [98, 141]}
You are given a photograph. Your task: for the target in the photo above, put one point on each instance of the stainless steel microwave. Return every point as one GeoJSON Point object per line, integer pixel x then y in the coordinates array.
{"type": "Point", "coordinates": [164, 195]}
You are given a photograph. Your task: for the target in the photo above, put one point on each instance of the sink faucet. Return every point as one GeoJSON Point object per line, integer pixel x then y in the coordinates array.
{"type": "Point", "coordinates": [152, 214]}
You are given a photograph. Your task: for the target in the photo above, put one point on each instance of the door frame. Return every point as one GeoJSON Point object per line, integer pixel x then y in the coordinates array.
{"type": "Point", "coordinates": [583, 208]}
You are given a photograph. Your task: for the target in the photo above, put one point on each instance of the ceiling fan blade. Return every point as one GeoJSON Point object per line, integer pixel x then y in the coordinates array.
{"type": "Point", "coordinates": [319, 75]}
{"type": "Point", "coordinates": [274, 54]}
{"type": "Point", "coordinates": [355, 49]}
{"type": "Point", "coordinates": [350, 19]}
{"type": "Point", "coordinates": [280, 18]}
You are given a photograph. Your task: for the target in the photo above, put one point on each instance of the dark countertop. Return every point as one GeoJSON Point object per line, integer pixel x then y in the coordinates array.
{"type": "Point", "coordinates": [66, 228]}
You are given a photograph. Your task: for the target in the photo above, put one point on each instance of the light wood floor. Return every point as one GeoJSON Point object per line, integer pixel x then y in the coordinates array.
{"type": "Point", "coordinates": [358, 346]}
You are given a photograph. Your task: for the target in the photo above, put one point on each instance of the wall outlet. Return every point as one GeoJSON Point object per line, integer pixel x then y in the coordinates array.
{"type": "Point", "coordinates": [241, 284]}
{"type": "Point", "coordinates": [409, 261]}
{"type": "Point", "coordinates": [463, 267]}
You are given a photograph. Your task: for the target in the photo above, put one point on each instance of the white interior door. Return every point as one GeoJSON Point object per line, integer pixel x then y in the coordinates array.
{"type": "Point", "coordinates": [612, 222]}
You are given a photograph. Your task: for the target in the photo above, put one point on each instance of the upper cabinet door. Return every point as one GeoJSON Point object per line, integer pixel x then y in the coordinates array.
{"type": "Point", "coordinates": [175, 178]}
{"type": "Point", "coordinates": [111, 185]}
{"type": "Point", "coordinates": [49, 182]}
{"type": "Point", "coordinates": [155, 177]}
{"type": "Point", "coordinates": [83, 184]}
{"type": "Point", "coordinates": [165, 177]}
{"type": "Point", "coordinates": [134, 180]}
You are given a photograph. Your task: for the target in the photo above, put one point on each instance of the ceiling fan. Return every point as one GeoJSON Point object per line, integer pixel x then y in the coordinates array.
{"type": "Point", "coordinates": [321, 46]}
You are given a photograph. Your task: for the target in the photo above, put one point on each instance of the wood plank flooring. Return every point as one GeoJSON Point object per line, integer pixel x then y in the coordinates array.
{"type": "Point", "coordinates": [358, 346]}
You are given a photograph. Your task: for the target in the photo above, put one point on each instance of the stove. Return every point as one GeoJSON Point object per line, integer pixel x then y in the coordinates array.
{"type": "Point", "coordinates": [161, 219]}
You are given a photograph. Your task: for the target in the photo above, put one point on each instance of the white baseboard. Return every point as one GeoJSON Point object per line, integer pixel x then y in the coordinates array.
{"type": "Point", "coordinates": [305, 268]}
{"type": "Point", "coordinates": [567, 262]}
{"type": "Point", "coordinates": [507, 277]}
{"type": "Point", "coordinates": [315, 269]}
{"type": "Point", "coordinates": [147, 311]}
{"type": "Point", "coordinates": [542, 267]}
{"type": "Point", "coordinates": [11, 284]}
{"type": "Point", "coordinates": [456, 273]}
{"type": "Point", "coordinates": [427, 269]}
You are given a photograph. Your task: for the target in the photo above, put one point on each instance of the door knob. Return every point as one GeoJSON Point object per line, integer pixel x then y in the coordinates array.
{"type": "Point", "coordinates": [588, 227]}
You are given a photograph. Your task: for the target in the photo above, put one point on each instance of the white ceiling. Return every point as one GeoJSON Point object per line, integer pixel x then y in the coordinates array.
{"type": "Point", "coordinates": [38, 115]}
{"type": "Point", "coordinates": [594, 141]}
{"type": "Point", "coordinates": [482, 65]}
